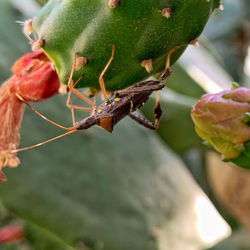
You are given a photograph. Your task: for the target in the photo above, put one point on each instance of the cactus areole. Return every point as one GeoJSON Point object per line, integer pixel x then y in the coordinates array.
{"type": "Point", "coordinates": [141, 30]}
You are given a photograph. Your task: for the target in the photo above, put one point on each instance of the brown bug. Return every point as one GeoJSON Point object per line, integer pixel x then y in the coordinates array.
{"type": "Point", "coordinates": [106, 115]}
{"type": "Point", "coordinates": [109, 113]}
{"type": "Point", "coordinates": [124, 103]}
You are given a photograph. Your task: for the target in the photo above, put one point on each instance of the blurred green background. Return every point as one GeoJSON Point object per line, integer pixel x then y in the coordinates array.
{"type": "Point", "coordinates": [135, 189]}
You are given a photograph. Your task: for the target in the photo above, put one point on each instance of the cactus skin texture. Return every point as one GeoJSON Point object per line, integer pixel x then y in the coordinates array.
{"type": "Point", "coordinates": [222, 119]}
{"type": "Point", "coordinates": [140, 30]}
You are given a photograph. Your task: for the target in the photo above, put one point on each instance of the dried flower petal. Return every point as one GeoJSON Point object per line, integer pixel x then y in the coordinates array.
{"type": "Point", "coordinates": [11, 112]}
{"type": "Point", "coordinates": [34, 80]}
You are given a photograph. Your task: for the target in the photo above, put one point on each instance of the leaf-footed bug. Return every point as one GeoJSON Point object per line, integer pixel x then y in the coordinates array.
{"type": "Point", "coordinates": [109, 113]}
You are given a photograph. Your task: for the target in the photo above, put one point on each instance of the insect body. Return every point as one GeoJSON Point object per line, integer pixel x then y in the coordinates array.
{"type": "Point", "coordinates": [109, 113]}
{"type": "Point", "coordinates": [106, 115]}
{"type": "Point", "coordinates": [124, 103]}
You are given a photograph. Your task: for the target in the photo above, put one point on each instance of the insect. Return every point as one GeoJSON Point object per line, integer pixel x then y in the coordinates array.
{"type": "Point", "coordinates": [107, 114]}
{"type": "Point", "coordinates": [124, 103]}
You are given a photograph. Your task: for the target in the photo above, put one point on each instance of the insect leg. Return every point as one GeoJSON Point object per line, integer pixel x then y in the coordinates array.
{"type": "Point", "coordinates": [42, 116]}
{"type": "Point", "coordinates": [143, 121]}
{"type": "Point", "coordinates": [71, 89]}
{"type": "Point", "coordinates": [157, 116]}
{"type": "Point", "coordinates": [71, 106]}
{"type": "Point", "coordinates": [167, 72]}
{"type": "Point", "coordinates": [169, 55]}
{"type": "Point", "coordinates": [157, 110]}
{"type": "Point", "coordinates": [42, 143]}
{"type": "Point", "coordinates": [101, 81]}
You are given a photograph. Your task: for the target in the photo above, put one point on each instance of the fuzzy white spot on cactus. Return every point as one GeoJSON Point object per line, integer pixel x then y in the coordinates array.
{"type": "Point", "coordinates": [36, 44]}
{"type": "Point", "coordinates": [113, 3]}
{"type": "Point", "coordinates": [27, 27]}
{"type": "Point", "coordinates": [147, 64]}
{"type": "Point", "coordinates": [194, 42]}
{"type": "Point", "coordinates": [80, 62]}
{"type": "Point", "coordinates": [220, 6]}
{"type": "Point", "coordinates": [63, 89]}
{"type": "Point", "coordinates": [166, 12]}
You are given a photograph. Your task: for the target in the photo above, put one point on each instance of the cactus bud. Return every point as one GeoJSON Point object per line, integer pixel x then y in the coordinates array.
{"type": "Point", "coordinates": [222, 119]}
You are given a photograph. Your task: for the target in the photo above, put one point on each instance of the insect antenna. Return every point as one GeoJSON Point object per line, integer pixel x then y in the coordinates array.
{"type": "Point", "coordinates": [42, 143]}
{"type": "Point", "coordinates": [42, 116]}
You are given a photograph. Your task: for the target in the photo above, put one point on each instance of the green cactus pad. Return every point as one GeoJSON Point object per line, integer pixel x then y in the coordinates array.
{"type": "Point", "coordinates": [138, 30]}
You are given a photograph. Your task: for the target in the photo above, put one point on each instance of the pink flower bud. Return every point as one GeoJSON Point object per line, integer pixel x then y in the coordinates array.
{"type": "Point", "coordinates": [221, 119]}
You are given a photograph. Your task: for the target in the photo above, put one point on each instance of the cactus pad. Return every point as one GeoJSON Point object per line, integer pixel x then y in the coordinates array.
{"type": "Point", "coordinates": [140, 30]}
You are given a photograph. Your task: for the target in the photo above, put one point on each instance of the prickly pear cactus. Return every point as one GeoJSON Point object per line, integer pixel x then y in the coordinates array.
{"type": "Point", "coordinates": [140, 30]}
